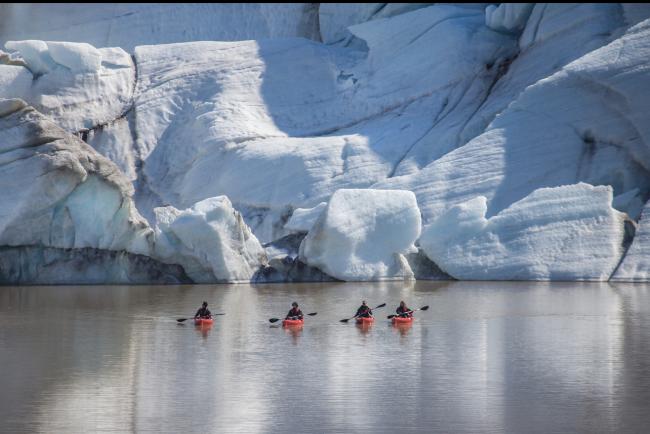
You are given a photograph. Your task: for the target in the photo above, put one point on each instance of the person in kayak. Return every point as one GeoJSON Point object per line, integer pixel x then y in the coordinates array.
{"type": "Point", "coordinates": [295, 312]}
{"type": "Point", "coordinates": [403, 311]}
{"type": "Point", "coordinates": [364, 311]}
{"type": "Point", "coordinates": [203, 312]}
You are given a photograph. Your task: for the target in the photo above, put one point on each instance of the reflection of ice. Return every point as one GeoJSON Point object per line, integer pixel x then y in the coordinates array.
{"type": "Point", "coordinates": [498, 357]}
{"type": "Point", "coordinates": [93, 402]}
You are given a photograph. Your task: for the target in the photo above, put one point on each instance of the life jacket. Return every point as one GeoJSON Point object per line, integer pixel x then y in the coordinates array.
{"type": "Point", "coordinates": [295, 312]}
{"type": "Point", "coordinates": [401, 310]}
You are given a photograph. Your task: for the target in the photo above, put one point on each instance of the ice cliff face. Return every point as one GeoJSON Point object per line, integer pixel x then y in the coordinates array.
{"type": "Point", "coordinates": [66, 215]}
{"type": "Point", "coordinates": [514, 137]}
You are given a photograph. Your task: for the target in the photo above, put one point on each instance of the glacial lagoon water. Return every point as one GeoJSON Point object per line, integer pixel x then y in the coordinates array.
{"type": "Point", "coordinates": [487, 357]}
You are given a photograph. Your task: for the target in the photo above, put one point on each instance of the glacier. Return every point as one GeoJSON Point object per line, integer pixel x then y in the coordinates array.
{"type": "Point", "coordinates": [288, 142]}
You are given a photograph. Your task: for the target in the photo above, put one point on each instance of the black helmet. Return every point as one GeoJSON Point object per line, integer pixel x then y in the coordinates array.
{"type": "Point", "coordinates": [294, 304]}
{"type": "Point", "coordinates": [205, 303]}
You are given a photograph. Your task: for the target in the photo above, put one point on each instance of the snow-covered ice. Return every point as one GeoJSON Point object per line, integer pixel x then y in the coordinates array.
{"type": "Point", "coordinates": [562, 233]}
{"type": "Point", "coordinates": [236, 130]}
{"type": "Point", "coordinates": [58, 192]}
{"type": "Point", "coordinates": [128, 25]}
{"type": "Point", "coordinates": [508, 17]}
{"type": "Point", "coordinates": [115, 141]}
{"type": "Point", "coordinates": [334, 19]}
{"type": "Point", "coordinates": [587, 122]}
{"type": "Point", "coordinates": [35, 54]}
{"type": "Point", "coordinates": [303, 219]}
{"type": "Point", "coordinates": [206, 112]}
{"type": "Point", "coordinates": [635, 266]}
{"type": "Point", "coordinates": [364, 234]}
{"type": "Point", "coordinates": [210, 240]}
{"type": "Point", "coordinates": [76, 56]}
{"type": "Point", "coordinates": [78, 86]}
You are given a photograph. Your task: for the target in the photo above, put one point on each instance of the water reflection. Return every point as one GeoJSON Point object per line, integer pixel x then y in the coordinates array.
{"type": "Point", "coordinates": [203, 329]}
{"type": "Point", "coordinates": [486, 357]}
{"type": "Point", "coordinates": [402, 328]}
{"type": "Point", "coordinates": [294, 331]}
{"type": "Point", "coordinates": [364, 327]}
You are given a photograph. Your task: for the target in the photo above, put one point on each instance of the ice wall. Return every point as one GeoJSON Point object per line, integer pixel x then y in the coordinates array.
{"type": "Point", "coordinates": [497, 110]}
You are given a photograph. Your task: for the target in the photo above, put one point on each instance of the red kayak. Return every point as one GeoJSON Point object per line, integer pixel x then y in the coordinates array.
{"type": "Point", "coordinates": [203, 321]}
{"type": "Point", "coordinates": [293, 322]}
{"type": "Point", "coordinates": [401, 320]}
{"type": "Point", "coordinates": [365, 320]}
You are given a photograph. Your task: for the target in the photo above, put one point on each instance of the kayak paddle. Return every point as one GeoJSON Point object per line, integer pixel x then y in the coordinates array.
{"type": "Point", "coordinates": [278, 319]}
{"type": "Point", "coordinates": [348, 319]}
{"type": "Point", "coordinates": [185, 319]}
{"type": "Point", "coordinates": [410, 311]}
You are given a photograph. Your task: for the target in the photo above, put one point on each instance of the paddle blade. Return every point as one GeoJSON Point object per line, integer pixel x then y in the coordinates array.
{"type": "Point", "coordinates": [345, 320]}
{"type": "Point", "coordinates": [182, 319]}
{"type": "Point", "coordinates": [274, 320]}
{"type": "Point", "coordinates": [391, 316]}
{"type": "Point", "coordinates": [381, 305]}
{"type": "Point", "coordinates": [424, 308]}
{"type": "Point", "coordinates": [312, 314]}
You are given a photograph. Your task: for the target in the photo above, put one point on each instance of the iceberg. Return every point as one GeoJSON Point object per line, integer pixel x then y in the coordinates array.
{"type": "Point", "coordinates": [562, 233]}
{"type": "Point", "coordinates": [363, 234]}
{"type": "Point", "coordinates": [210, 240]}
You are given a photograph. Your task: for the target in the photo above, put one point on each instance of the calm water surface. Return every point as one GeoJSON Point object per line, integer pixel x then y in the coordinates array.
{"type": "Point", "coordinates": [486, 357]}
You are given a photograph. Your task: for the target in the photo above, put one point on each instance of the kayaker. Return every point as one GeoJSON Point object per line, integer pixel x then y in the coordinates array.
{"type": "Point", "coordinates": [403, 311]}
{"type": "Point", "coordinates": [364, 311]}
{"type": "Point", "coordinates": [295, 312]}
{"type": "Point", "coordinates": [203, 312]}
